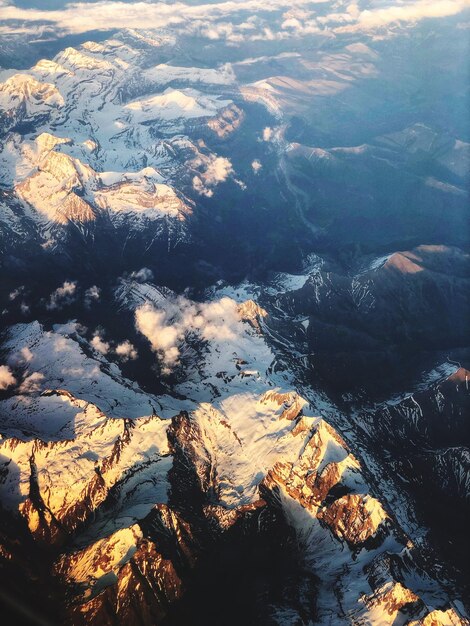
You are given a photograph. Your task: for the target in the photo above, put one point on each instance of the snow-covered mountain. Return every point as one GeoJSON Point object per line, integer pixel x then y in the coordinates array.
{"type": "Point", "coordinates": [105, 472]}
{"type": "Point", "coordinates": [100, 132]}
{"type": "Point", "coordinates": [234, 307]}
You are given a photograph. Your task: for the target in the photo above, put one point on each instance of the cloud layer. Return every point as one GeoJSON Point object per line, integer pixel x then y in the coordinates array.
{"type": "Point", "coordinates": [231, 21]}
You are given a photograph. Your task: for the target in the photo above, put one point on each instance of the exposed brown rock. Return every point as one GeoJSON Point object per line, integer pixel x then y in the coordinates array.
{"type": "Point", "coordinates": [354, 517]}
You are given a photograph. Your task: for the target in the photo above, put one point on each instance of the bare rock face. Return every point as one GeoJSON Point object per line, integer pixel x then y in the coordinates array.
{"type": "Point", "coordinates": [56, 188]}
{"type": "Point", "coordinates": [23, 98]}
{"type": "Point", "coordinates": [151, 519]}
{"type": "Point", "coordinates": [220, 518]}
{"type": "Point", "coordinates": [174, 536]}
{"type": "Point", "coordinates": [310, 479]}
{"type": "Point", "coordinates": [391, 599]}
{"type": "Point", "coordinates": [228, 120]}
{"type": "Point", "coordinates": [127, 577]}
{"type": "Point", "coordinates": [354, 518]}
{"type": "Point", "coordinates": [448, 617]}
{"type": "Point", "coordinates": [291, 403]}
{"type": "Point", "coordinates": [190, 452]}
{"type": "Point", "coordinates": [403, 297]}
{"type": "Point", "coordinates": [88, 182]}
{"type": "Point", "coordinates": [438, 468]}
{"type": "Point", "coordinates": [250, 311]}
{"type": "Point", "coordinates": [151, 572]}
{"type": "Point", "coordinates": [325, 468]}
{"type": "Point", "coordinates": [41, 520]}
{"type": "Point", "coordinates": [142, 574]}
{"type": "Point", "coordinates": [139, 594]}
{"type": "Point", "coordinates": [64, 489]}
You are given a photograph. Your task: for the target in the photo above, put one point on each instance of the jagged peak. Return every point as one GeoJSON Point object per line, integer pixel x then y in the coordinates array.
{"type": "Point", "coordinates": [290, 403]}
{"type": "Point", "coordinates": [106, 557]}
{"type": "Point", "coordinates": [251, 310]}
{"type": "Point", "coordinates": [441, 617]}
{"type": "Point", "coordinates": [49, 67]}
{"type": "Point", "coordinates": [46, 141]}
{"type": "Point", "coordinates": [326, 433]}
{"type": "Point", "coordinates": [354, 517]}
{"type": "Point", "coordinates": [391, 597]}
{"type": "Point", "coordinates": [75, 59]}
{"type": "Point", "coordinates": [65, 167]}
{"type": "Point", "coordinates": [26, 86]}
{"type": "Point", "coordinates": [73, 476]}
{"type": "Point", "coordinates": [118, 49]}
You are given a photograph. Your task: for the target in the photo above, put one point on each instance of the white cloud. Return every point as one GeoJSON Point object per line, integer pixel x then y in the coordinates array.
{"type": "Point", "coordinates": [267, 133]}
{"type": "Point", "coordinates": [144, 275]}
{"type": "Point", "coordinates": [293, 23]}
{"type": "Point", "coordinates": [62, 296]}
{"type": "Point", "coordinates": [166, 329]}
{"type": "Point", "coordinates": [26, 354]}
{"type": "Point", "coordinates": [234, 22]}
{"type": "Point", "coordinates": [199, 186]}
{"type": "Point", "coordinates": [353, 9]}
{"type": "Point", "coordinates": [406, 12]}
{"type": "Point", "coordinates": [163, 337]}
{"type": "Point", "coordinates": [220, 319]}
{"type": "Point", "coordinates": [217, 170]}
{"type": "Point", "coordinates": [297, 13]}
{"type": "Point", "coordinates": [69, 328]}
{"type": "Point", "coordinates": [31, 384]}
{"type": "Point", "coordinates": [233, 33]}
{"type": "Point", "coordinates": [16, 292]}
{"type": "Point", "coordinates": [20, 358]}
{"type": "Point", "coordinates": [256, 165]}
{"type": "Point", "coordinates": [6, 377]}
{"type": "Point", "coordinates": [99, 344]}
{"type": "Point", "coordinates": [81, 17]}
{"type": "Point", "coordinates": [92, 294]}
{"type": "Point", "coordinates": [126, 351]}
{"type": "Point", "coordinates": [13, 295]}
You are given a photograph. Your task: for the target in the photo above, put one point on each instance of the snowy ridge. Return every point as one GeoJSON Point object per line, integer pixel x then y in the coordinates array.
{"type": "Point", "coordinates": [248, 438]}
{"type": "Point", "coordinates": [81, 94]}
